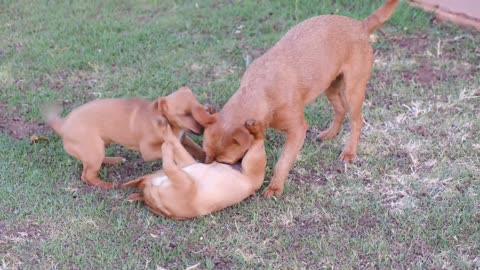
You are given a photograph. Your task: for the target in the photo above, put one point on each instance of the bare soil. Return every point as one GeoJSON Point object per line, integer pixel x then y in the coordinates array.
{"type": "Point", "coordinates": [17, 127]}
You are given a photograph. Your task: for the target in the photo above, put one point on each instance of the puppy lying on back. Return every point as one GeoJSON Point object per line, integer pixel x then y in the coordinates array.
{"type": "Point", "coordinates": [187, 189]}
{"type": "Point", "coordinates": [134, 123]}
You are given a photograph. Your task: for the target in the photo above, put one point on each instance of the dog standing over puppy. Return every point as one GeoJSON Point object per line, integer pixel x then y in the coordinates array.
{"type": "Point", "coordinates": [133, 123]}
{"type": "Point", "coordinates": [186, 189]}
{"type": "Point", "coordinates": [325, 54]}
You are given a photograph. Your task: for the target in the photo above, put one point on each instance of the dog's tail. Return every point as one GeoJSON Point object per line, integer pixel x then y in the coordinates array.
{"type": "Point", "coordinates": [380, 15]}
{"type": "Point", "coordinates": [51, 114]}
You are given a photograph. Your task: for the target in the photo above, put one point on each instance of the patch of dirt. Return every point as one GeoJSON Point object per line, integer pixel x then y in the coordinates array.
{"type": "Point", "coordinates": [365, 223]}
{"type": "Point", "coordinates": [75, 79]}
{"type": "Point", "coordinates": [303, 175]}
{"type": "Point", "coordinates": [401, 160]}
{"type": "Point", "coordinates": [304, 226]}
{"type": "Point", "coordinates": [17, 127]}
{"type": "Point", "coordinates": [423, 50]}
{"type": "Point", "coordinates": [420, 130]}
{"type": "Point", "coordinates": [132, 168]}
{"type": "Point", "coordinates": [425, 75]}
{"type": "Point", "coordinates": [80, 83]}
{"type": "Point", "coordinates": [23, 232]}
{"type": "Point", "coordinates": [416, 44]}
{"type": "Point", "coordinates": [312, 134]}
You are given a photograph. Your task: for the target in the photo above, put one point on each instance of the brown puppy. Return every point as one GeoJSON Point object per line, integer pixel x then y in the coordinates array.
{"type": "Point", "coordinates": [133, 123]}
{"type": "Point", "coordinates": [187, 189]}
{"type": "Point", "coordinates": [326, 54]}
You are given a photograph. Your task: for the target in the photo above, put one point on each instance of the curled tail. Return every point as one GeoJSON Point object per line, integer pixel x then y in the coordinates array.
{"type": "Point", "coordinates": [380, 15]}
{"type": "Point", "coordinates": [51, 114]}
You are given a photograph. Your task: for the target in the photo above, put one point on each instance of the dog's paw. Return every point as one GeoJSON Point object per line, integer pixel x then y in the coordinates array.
{"type": "Point", "coordinates": [347, 156]}
{"type": "Point", "coordinates": [270, 191]}
{"type": "Point", "coordinates": [327, 134]}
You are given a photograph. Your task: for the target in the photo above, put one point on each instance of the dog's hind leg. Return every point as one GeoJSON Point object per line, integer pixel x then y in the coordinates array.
{"type": "Point", "coordinates": [354, 95]}
{"type": "Point", "coordinates": [92, 156]}
{"type": "Point", "coordinates": [90, 174]}
{"type": "Point", "coordinates": [333, 94]}
{"type": "Point", "coordinates": [181, 180]}
{"type": "Point", "coordinates": [180, 154]}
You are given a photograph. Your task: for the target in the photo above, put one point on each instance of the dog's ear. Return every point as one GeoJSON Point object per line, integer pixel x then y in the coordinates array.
{"type": "Point", "coordinates": [201, 115]}
{"type": "Point", "coordinates": [188, 122]}
{"type": "Point", "coordinates": [135, 197]}
{"type": "Point", "coordinates": [161, 105]}
{"type": "Point", "coordinates": [242, 137]}
{"type": "Point", "coordinates": [135, 183]}
{"type": "Point", "coordinates": [185, 89]}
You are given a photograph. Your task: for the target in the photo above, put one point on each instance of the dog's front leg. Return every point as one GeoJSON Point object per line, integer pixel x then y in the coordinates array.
{"type": "Point", "coordinates": [293, 144]}
{"type": "Point", "coordinates": [180, 154]}
{"type": "Point", "coordinates": [255, 160]}
{"type": "Point", "coordinates": [194, 149]}
{"type": "Point", "coordinates": [150, 151]}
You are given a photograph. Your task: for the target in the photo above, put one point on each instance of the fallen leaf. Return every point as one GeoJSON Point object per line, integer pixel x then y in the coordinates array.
{"type": "Point", "coordinates": [35, 139]}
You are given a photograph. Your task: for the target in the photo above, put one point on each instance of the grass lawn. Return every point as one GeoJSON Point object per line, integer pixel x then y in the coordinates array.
{"type": "Point", "coordinates": [411, 199]}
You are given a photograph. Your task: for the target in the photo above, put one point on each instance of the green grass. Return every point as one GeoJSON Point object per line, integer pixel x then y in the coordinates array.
{"type": "Point", "coordinates": [411, 200]}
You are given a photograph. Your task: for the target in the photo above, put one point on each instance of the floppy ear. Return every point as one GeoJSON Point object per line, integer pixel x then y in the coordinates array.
{"type": "Point", "coordinates": [185, 89]}
{"type": "Point", "coordinates": [243, 137]}
{"type": "Point", "coordinates": [134, 183]}
{"type": "Point", "coordinates": [201, 115]}
{"type": "Point", "coordinates": [160, 105]}
{"type": "Point", "coordinates": [188, 122]}
{"type": "Point", "coordinates": [135, 197]}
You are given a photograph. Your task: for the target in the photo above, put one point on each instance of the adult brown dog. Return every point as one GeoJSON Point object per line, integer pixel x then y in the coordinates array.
{"type": "Point", "coordinates": [133, 123]}
{"type": "Point", "coordinates": [187, 189]}
{"type": "Point", "coordinates": [326, 54]}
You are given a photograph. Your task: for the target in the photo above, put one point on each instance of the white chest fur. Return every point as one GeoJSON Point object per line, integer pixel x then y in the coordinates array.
{"type": "Point", "coordinates": [159, 180]}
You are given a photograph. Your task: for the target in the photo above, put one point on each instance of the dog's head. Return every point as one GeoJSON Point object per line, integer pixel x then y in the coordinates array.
{"type": "Point", "coordinates": [177, 109]}
{"type": "Point", "coordinates": [227, 145]}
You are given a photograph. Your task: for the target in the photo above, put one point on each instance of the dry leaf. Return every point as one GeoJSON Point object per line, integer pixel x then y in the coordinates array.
{"type": "Point", "coordinates": [35, 139]}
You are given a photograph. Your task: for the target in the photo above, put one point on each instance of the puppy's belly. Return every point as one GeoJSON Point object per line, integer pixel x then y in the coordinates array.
{"type": "Point", "coordinates": [163, 179]}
